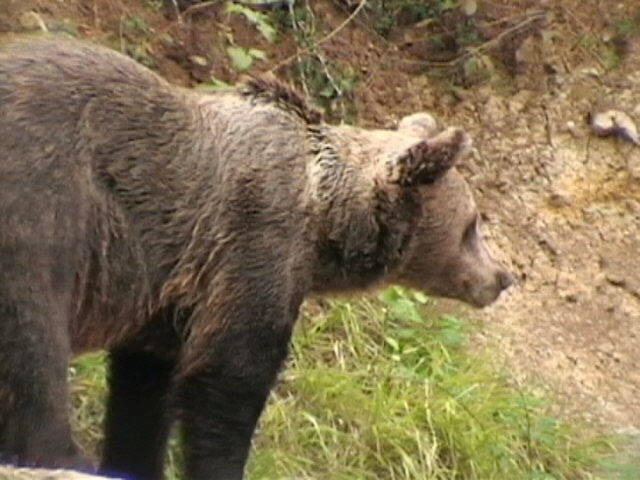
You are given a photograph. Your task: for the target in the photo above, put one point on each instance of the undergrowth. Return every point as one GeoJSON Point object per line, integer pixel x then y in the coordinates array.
{"type": "Point", "coordinates": [388, 14]}
{"type": "Point", "coordinates": [377, 389]}
{"type": "Point", "coordinates": [329, 82]}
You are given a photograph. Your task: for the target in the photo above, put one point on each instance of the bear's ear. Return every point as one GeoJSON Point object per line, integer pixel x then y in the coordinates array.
{"type": "Point", "coordinates": [427, 160]}
{"type": "Point", "coordinates": [421, 125]}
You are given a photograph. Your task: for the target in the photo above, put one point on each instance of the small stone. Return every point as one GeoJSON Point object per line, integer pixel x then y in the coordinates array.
{"type": "Point", "coordinates": [571, 128]}
{"type": "Point", "coordinates": [515, 106]}
{"type": "Point", "coordinates": [198, 60]}
{"type": "Point", "coordinates": [590, 72]}
{"type": "Point", "coordinates": [420, 124]}
{"type": "Point", "coordinates": [617, 123]}
{"type": "Point", "coordinates": [493, 110]}
{"type": "Point", "coordinates": [469, 7]}
{"type": "Point", "coordinates": [615, 279]}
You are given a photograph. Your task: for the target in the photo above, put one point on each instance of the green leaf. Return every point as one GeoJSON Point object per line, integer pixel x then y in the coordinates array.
{"type": "Point", "coordinates": [327, 92]}
{"type": "Point", "coordinates": [420, 297]}
{"type": "Point", "coordinates": [401, 307]}
{"type": "Point", "coordinates": [390, 295]}
{"type": "Point", "coordinates": [450, 330]}
{"type": "Point", "coordinates": [241, 58]}
{"type": "Point", "coordinates": [393, 343]}
{"type": "Point", "coordinates": [257, 53]}
{"type": "Point", "coordinates": [214, 84]}
{"type": "Point", "coordinates": [260, 20]}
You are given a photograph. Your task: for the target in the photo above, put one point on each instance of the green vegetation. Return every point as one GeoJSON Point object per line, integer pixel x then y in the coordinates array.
{"type": "Point", "coordinates": [629, 26]}
{"type": "Point", "coordinates": [389, 14]}
{"type": "Point", "coordinates": [329, 82]}
{"type": "Point", "coordinates": [154, 5]}
{"type": "Point", "coordinates": [259, 20]}
{"type": "Point", "coordinates": [135, 39]}
{"type": "Point", "coordinates": [242, 58]}
{"type": "Point", "coordinates": [377, 388]}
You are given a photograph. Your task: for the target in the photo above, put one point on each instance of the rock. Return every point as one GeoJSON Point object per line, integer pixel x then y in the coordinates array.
{"type": "Point", "coordinates": [615, 279]}
{"type": "Point", "coordinates": [469, 7]}
{"type": "Point", "coordinates": [198, 60]}
{"type": "Point", "coordinates": [616, 123]}
{"type": "Point", "coordinates": [571, 128]}
{"type": "Point", "coordinates": [590, 72]}
{"type": "Point", "coordinates": [493, 111]}
{"type": "Point", "coordinates": [420, 123]}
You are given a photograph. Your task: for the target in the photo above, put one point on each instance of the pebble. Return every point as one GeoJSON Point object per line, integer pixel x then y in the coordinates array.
{"type": "Point", "coordinates": [198, 60]}
{"type": "Point", "coordinates": [616, 123]}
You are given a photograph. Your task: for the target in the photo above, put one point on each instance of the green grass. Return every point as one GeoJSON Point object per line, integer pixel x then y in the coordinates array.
{"type": "Point", "coordinates": [376, 389]}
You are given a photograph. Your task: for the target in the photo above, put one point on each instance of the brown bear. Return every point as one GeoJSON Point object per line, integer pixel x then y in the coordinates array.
{"type": "Point", "coordinates": [181, 231]}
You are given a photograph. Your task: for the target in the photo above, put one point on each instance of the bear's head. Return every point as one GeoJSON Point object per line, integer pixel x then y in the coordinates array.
{"type": "Point", "coordinates": [447, 254]}
{"type": "Point", "coordinates": [410, 214]}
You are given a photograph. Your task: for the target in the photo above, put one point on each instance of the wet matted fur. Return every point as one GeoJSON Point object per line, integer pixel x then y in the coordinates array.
{"type": "Point", "coordinates": [181, 232]}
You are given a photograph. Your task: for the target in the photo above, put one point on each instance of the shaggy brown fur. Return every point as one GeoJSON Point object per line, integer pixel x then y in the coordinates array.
{"type": "Point", "coordinates": [181, 231]}
{"type": "Point", "coordinates": [271, 90]}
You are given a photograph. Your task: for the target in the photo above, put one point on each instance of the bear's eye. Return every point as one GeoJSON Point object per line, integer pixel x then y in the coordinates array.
{"type": "Point", "coordinates": [471, 232]}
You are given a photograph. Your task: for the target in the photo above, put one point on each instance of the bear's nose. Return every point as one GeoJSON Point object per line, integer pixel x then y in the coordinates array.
{"type": "Point", "coordinates": [505, 279]}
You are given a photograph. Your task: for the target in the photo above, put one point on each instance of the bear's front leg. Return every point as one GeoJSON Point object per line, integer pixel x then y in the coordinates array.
{"type": "Point", "coordinates": [137, 421]}
{"type": "Point", "coordinates": [222, 390]}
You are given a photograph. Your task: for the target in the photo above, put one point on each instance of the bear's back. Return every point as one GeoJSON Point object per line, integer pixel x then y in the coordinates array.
{"type": "Point", "coordinates": [53, 65]}
{"type": "Point", "coordinates": [48, 84]}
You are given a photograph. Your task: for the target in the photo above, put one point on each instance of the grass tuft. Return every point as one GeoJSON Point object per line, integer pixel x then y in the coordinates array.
{"type": "Point", "coordinates": [377, 389]}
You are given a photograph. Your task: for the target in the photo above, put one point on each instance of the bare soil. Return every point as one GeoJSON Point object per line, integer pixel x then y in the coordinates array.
{"type": "Point", "coordinates": [562, 204]}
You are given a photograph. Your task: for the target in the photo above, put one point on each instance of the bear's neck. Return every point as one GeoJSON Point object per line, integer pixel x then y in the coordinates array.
{"type": "Point", "coordinates": [358, 242]}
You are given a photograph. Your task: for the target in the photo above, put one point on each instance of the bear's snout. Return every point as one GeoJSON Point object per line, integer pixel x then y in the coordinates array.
{"type": "Point", "coordinates": [502, 281]}
{"type": "Point", "coordinates": [482, 294]}
{"type": "Point", "coordinates": [505, 279]}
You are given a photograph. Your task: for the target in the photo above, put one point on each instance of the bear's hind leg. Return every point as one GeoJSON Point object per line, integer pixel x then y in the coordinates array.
{"type": "Point", "coordinates": [137, 422]}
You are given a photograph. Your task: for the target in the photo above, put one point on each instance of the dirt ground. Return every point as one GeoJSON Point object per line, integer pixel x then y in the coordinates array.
{"type": "Point", "coordinates": [563, 204]}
